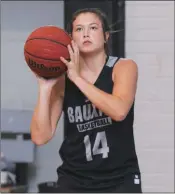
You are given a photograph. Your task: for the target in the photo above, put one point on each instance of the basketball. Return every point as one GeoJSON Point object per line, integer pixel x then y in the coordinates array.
{"type": "Point", "coordinates": [43, 49]}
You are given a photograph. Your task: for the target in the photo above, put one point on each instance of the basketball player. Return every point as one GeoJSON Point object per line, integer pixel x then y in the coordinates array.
{"type": "Point", "coordinates": [97, 97]}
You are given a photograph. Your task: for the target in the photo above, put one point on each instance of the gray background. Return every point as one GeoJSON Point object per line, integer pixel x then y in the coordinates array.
{"type": "Point", "coordinates": [149, 41]}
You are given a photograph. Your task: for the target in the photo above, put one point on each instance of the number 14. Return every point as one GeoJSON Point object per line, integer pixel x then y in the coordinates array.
{"type": "Point", "coordinates": [100, 138]}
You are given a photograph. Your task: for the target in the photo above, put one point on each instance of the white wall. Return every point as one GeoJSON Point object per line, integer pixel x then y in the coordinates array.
{"type": "Point", "coordinates": [18, 85]}
{"type": "Point", "coordinates": [150, 42]}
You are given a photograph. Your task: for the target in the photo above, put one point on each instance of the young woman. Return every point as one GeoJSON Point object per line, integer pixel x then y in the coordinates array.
{"type": "Point", "coordinates": [97, 97]}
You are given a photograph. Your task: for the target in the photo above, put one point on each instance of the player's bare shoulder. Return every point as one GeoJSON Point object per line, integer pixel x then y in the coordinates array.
{"type": "Point", "coordinates": [125, 66]}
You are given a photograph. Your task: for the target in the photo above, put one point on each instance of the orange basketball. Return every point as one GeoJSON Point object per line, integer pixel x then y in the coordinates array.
{"type": "Point", "coordinates": [43, 49]}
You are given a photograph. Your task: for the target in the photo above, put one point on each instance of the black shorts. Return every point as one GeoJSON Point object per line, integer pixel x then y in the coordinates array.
{"type": "Point", "coordinates": [130, 184]}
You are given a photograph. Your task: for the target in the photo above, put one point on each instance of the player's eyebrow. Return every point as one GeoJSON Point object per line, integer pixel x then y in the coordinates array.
{"type": "Point", "coordinates": [89, 24]}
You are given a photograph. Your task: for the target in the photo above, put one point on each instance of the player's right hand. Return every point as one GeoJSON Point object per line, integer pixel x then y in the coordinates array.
{"type": "Point", "coordinates": [48, 83]}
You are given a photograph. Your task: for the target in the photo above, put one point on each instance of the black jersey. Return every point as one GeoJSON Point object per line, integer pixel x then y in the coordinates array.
{"type": "Point", "coordinates": [97, 151]}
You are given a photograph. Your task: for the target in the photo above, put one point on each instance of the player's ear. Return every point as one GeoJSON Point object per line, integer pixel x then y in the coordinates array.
{"type": "Point", "coordinates": [106, 36]}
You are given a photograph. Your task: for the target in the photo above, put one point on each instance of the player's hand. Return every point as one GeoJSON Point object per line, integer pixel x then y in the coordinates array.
{"type": "Point", "coordinates": [47, 83]}
{"type": "Point", "coordinates": [73, 66]}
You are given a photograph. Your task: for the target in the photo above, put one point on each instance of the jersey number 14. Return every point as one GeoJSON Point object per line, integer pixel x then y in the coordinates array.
{"type": "Point", "coordinates": [100, 146]}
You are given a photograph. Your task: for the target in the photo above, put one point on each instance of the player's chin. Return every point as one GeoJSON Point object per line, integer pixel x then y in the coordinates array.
{"type": "Point", "coordinates": [88, 50]}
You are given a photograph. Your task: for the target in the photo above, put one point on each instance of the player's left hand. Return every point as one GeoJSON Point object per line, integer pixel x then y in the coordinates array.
{"type": "Point", "coordinates": [73, 65]}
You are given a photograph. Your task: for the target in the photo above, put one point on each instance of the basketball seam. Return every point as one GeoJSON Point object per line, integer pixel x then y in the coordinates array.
{"type": "Point", "coordinates": [42, 57]}
{"type": "Point", "coordinates": [46, 39]}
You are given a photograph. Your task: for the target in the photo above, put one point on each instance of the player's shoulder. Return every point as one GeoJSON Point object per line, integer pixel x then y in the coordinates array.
{"type": "Point", "coordinates": [123, 65]}
{"type": "Point", "coordinates": [113, 60]}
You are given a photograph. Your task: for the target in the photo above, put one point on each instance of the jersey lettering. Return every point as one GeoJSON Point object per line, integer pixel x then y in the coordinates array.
{"type": "Point", "coordinates": [97, 149]}
{"type": "Point", "coordinates": [83, 113]}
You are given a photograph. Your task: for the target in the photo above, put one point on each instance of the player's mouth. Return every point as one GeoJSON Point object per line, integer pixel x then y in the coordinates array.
{"type": "Point", "coordinates": [87, 42]}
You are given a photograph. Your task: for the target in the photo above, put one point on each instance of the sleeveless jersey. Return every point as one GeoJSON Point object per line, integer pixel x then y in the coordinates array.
{"type": "Point", "coordinates": [97, 151]}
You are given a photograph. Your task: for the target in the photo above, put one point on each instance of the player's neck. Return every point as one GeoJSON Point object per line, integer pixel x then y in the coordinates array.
{"type": "Point", "coordinates": [93, 62]}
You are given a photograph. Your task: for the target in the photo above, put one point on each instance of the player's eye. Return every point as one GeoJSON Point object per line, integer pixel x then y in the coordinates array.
{"type": "Point", "coordinates": [93, 28]}
{"type": "Point", "coordinates": [78, 29]}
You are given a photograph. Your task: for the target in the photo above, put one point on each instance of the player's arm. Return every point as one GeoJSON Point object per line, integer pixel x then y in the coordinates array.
{"type": "Point", "coordinates": [117, 104]}
{"type": "Point", "coordinates": [47, 113]}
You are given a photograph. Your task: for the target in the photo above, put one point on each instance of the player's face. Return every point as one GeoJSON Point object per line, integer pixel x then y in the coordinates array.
{"type": "Point", "coordinates": [88, 33]}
